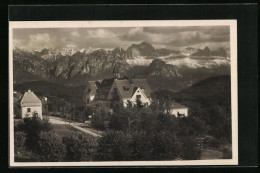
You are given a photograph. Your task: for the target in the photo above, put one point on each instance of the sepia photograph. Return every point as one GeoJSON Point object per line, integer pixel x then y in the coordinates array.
{"type": "Point", "coordinates": [123, 93]}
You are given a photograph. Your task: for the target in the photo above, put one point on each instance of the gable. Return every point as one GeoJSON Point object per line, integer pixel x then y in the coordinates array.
{"type": "Point", "coordinates": [138, 91]}
{"type": "Point", "coordinates": [30, 99]}
{"type": "Point", "coordinates": [143, 84]}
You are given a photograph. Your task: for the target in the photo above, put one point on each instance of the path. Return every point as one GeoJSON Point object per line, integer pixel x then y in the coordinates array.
{"type": "Point", "coordinates": [55, 120]}
{"type": "Point", "coordinates": [210, 153]}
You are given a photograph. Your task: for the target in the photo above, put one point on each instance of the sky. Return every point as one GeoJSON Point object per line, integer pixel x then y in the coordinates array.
{"type": "Point", "coordinates": [173, 37]}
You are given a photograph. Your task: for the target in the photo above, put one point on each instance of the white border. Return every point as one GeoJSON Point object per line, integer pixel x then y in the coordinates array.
{"type": "Point", "coordinates": [140, 23]}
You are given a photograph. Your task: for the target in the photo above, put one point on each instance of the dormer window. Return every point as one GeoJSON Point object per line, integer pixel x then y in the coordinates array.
{"type": "Point", "coordinates": [126, 88]}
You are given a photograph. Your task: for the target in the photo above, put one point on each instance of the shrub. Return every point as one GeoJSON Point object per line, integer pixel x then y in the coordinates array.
{"type": "Point", "coordinates": [141, 144]}
{"type": "Point", "coordinates": [80, 149]}
{"type": "Point", "coordinates": [98, 125]}
{"type": "Point", "coordinates": [166, 146]}
{"type": "Point", "coordinates": [19, 141]}
{"type": "Point", "coordinates": [190, 148]}
{"type": "Point", "coordinates": [115, 146]}
{"type": "Point", "coordinates": [33, 127]}
{"type": "Point", "coordinates": [118, 122]}
{"type": "Point", "coordinates": [26, 156]}
{"type": "Point", "coordinates": [50, 147]}
{"type": "Point", "coordinates": [214, 142]}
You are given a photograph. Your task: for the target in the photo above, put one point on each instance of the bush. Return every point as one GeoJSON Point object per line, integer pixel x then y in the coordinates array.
{"type": "Point", "coordinates": [190, 148]}
{"type": "Point", "coordinates": [50, 147]}
{"type": "Point", "coordinates": [166, 146]}
{"type": "Point", "coordinates": [19, 141]}
{"type": "Point", "coordinates": [26, 156]}
{"type": "Point", "coordinates": [80, 149]}
{"type": "Point", "coordinates": [33, 127]}
{"type": "Point", "coordinates": [142, 148]}
{"type": "Point", "coordinates": [118, 122]}
{"type": "Point", "coordinates": [139, 145]}
{"type": "Point", "coordinates": [114, 146]}
{"type": "Point", "coordinates": [98, 125]}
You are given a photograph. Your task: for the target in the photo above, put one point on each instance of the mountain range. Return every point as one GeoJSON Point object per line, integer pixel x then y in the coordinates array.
{"type": "Point", "coordinates": [163, 68]}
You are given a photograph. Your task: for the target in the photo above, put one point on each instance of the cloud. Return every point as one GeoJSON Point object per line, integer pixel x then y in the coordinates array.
{"type": "Point", "coordinates": [178, 29]}
{"type": "Point", "coordinates": [168, 37]}
{"type": "Point", "coordinates": [18, 42]}
{"type": "Point", "coordinates": [134, 34]}
{"type": "Point", "coordinates": [195, 37]}
{"type": "Point", "coordinates": [100, 33]}
{"type": "Point", "coordinates": [39, 41]}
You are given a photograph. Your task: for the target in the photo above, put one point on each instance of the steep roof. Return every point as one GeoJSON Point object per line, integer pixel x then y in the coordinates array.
{"type": "Point", "coordinates": [103, 88]}
{"type": "Point", "coordinates": [124, 87]}
{"type": "Point", "coordinates": [30, 99]}
{"type": "Point", "coordinates": [128, 87]}
{"type": "Point", "coordinates": [92, 86]}
{"type": "Point", "coordinates": [143, 84]}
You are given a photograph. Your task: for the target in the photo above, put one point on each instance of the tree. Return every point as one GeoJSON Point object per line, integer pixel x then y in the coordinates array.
{"type": "Point", "coordinates": [190, 148]}
{"type": "Point", "coordinates": [19, 141]}
{"type": "Point", "coordinates": [50, 147]}
{"type": "Point", "coordinates": [166, 146]}
{"type": "Point", "coordinates": [114, 146]}
{"type": "Point", "coordinates": [80, 149]}
{"type": "Point", "coordinates": [33, 127]}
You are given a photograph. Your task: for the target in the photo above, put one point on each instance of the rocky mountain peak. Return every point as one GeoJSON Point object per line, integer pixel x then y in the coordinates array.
{"type": "Point", "coordinates": [142, 49]}
{"type": "Point", "coordinates": [160, 68]}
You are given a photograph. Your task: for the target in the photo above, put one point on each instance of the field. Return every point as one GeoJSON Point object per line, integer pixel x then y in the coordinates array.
{"type": "Point", "coordinates": [65, 130]}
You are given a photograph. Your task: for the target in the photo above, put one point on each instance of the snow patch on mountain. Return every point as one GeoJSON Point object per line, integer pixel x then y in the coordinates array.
{"type": "Point", "coordinates": [198, 63]}
{"type": "Point", "coordinates": [139, 61]}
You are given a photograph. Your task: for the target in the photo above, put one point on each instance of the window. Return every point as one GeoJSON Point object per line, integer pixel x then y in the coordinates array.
{"type": "Point", "coordinates": [138, 96]}
{"type": "Point", "coordinates": [126, 88]}
{"type": "Point", "coordinates": [28, 109]}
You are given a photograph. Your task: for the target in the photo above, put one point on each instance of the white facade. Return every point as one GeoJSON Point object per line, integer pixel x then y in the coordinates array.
{"type": "Point", "coordinates": [140, 95]}
{"type": "Point", "coordinates": [89, 99]}
{"type": "Point", "coordinates": [31, 105]}
{"type": "Point", "coordinates": [175, 112]}
{"type": "Point", "coordinates": [28, 111]}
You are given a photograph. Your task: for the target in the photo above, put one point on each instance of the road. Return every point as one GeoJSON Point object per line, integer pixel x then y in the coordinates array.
{"type": "Point", "coordinates": [76, 125]}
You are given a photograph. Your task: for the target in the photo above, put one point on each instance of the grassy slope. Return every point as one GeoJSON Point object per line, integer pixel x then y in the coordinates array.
{"type": "Point", "coordinates": [65, 130]}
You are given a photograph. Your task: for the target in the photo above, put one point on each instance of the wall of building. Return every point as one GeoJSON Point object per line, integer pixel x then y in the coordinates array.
{"type": "Point", "coordinates": [90, 98]}
{"type": "Point", "coordinates": [175, 112]}
{"type": "Point", "coordinates": [37, 109]}
{"type": "Point", "coordinates": [143, 99]}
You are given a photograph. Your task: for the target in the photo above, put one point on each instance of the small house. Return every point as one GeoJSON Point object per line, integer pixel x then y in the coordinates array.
{"type": "Point", "coordinates": [31, 105]}
{"type": "Point", "coordinates": [176, 109]}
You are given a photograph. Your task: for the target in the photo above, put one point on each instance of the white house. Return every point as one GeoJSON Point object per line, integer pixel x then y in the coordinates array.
{"type": "Point", "coordinates": [31, 105]}
{"type": "Point", "coordinates": [176, 109]}
{"type": "Point", "coordinates": [124, 90]}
